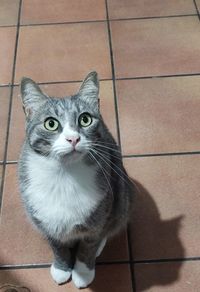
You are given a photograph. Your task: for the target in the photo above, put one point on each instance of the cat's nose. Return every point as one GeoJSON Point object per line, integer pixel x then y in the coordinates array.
{"type": "Point", "coordinates": [73, 140]}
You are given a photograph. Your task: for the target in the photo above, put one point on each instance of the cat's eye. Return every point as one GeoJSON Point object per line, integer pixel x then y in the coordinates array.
{"type": "Point", "coordinates": [85, 120]}
{"type": "Point", "coordinates": [51, 124]}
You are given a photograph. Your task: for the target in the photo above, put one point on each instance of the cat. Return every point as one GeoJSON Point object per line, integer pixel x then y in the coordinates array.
{"type": "Point", "coordinates": [71, 177]}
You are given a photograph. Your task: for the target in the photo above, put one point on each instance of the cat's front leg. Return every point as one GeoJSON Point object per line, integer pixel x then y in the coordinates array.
{"type": "Point", "coordinates": [83, 272]}
{"type": "Point", "coordinates": [61, 268]}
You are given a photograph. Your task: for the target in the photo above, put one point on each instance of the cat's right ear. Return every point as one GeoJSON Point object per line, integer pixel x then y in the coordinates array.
{"type": "Point", "coordinates": [32, 96]}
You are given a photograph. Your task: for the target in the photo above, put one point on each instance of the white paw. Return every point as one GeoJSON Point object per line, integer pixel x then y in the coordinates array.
{"type": "Point", "coordinates": [101, 247]}
{"type": "Point", "coordinates": [60, 276]}
{"type": "Point", "coordinates": [81, 275]}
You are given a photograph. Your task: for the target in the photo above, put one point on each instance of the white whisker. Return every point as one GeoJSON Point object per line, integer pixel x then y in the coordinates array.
{"type": "Point", "coordinates": [102, 143]}
{"type": "Point", "coordinates": [131, 181]}
{"type": "Point", "coordinates": [108, 153]}
{"type": "Point", "coordinates": [101, 167]}
{"type": "Point", "coordinates": [106, 147]}
{"type": "Point", "coordinates": [103, 158]}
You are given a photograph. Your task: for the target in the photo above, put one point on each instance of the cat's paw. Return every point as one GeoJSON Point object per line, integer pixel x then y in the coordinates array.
{"type": "Point", "coordinates": [81, 275]}
{"type": "Point", "coordinates": [60, 276]}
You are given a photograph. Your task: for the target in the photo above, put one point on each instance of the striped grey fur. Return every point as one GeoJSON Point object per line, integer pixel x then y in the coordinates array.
{"type": "Point", "coordinates": [114, 187]}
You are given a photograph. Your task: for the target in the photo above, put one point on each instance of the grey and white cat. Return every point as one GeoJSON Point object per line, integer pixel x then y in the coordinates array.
{"type": "Point", "coordinates": [72, 180]}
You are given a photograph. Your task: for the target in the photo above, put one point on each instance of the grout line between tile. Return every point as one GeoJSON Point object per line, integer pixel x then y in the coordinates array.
{"type": "Point", "coordinates": [11, 162]}
{"type": "Point", "coordinates": [104, 20]}
{"type": "Point", "coordinates": [118, 128]}
{"type": "Point", "coordinates": [62, 82]}
{"type": "Point", "coordinates": [159, 76]}
{"type": "Point", "coordinates": [64, 22]}
{"type": "Point", "coordinates": [132, 266]}
{"type": "Point", "coordinates": [110, 79]}
{"type": "Point", "coordinates": [157, 261]}
{"type": "Point", "coordinates": [10, 106]}
{"type": "Point", "coordinates": [5, 85]}
{"type": "Point", "coordinates": [3, 163]}
{"type": "Point", "coordinates": [123, 262]}
{"type": "Point", "coordinates": [113, 74]}
{"type": "Point", "coordinates": [195, 4]}
{"type": "Point", "coordinates": [154, 17]}
{"type": "Point", "coordinates": [161, 154]}
{"type": "Point", "coordinates": [132, 156]}
{"type": "Point", "coordinates": [8, 25]}
{"type": "Point", "coordinates": [47, 265]}
{"type": "Point", "coordinates": [25, 266]}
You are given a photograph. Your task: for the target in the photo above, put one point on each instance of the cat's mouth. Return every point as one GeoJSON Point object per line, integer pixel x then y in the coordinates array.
{"type": "Point", "coordinates": [64, 152]}
{"type": "Point", "coordinates": [73, 154]}
{"type": "Point", "coordinates": [72, 157]}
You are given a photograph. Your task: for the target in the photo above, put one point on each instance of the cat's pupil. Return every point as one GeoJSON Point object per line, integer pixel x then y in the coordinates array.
{"type": "Point", "coordinates": [85, 119]}
{"type": "Point", "coordinates": [51, 123]}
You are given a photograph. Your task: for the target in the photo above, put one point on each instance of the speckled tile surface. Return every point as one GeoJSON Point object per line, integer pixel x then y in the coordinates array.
{"type": "Point", "coordinates": [148, 59]}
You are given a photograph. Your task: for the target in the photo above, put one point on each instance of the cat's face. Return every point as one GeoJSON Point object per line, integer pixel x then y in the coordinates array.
{"type": "Point", "coordinates": [62, 127]}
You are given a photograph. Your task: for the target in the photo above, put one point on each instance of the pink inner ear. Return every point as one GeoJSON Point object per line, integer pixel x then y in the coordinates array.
{"type": "Point", "coordinates": [27, 111]}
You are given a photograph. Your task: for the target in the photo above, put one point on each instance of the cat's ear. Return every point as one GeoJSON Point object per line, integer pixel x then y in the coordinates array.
{"type": "Point", "coordinates": [89, 90]}
{"type": "Point", "coordinates": [32, 96]}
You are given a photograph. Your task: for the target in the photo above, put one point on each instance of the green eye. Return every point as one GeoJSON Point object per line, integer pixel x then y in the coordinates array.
{"type": "Point", "coordinates": [85, 120]}
{"type": "Point", "coordinates": [51, 124]}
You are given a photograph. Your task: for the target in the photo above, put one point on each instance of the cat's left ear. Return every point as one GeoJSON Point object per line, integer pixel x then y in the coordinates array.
{"type": "Point", "coordinates": [89, 90]}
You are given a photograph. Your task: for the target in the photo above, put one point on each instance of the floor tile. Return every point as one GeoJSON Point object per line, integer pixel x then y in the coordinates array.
{"type": "Point", "coordinates": [20, 242]}
{"type": "Point", "coordinates": [155, 115]}
{"type": "Point", "coordinates": [16, 136]}
{"type": "Point", "coordinates": [167, 277]}
{"type": "Point", "coordinates": [156, 47]}
{"type": "Point", "coordinates": [9, 12]}
{"type": "Point", "coordinates": [50, 11]}
{"type": "Point", "coordinates": [140, 8]}
{"type": "Point", "coordinates": [63, 52]}
{"type": "Point", "coordinates": [165, 223]}
{"type": "Point", "coordinates": [25, 245]}
{"type": "Point", "coordinates": [108, 278]}
{"type": "Point", "coordinates": [4, 101]}
{"type": "Point", "coordinates": [7, 40]}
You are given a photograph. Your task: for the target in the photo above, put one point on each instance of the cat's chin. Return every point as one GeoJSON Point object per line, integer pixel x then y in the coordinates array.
{"type": "Point", "coordinates": [72, 157]}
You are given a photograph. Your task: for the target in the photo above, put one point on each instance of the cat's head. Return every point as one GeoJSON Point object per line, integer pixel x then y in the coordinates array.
{"type": "Point", "coordinates": [62, 127]}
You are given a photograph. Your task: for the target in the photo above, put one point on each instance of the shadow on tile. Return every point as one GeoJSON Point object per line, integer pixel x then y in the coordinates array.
{"type": "Point", "coordinates": [153, 239]}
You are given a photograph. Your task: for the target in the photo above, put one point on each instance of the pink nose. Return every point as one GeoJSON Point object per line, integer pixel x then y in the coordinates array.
{"type": "Point", "coordinates": [73, 141]}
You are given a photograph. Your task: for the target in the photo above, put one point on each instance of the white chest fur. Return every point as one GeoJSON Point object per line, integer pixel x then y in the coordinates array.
{"type": "Point", "coordinates": [61, 197]}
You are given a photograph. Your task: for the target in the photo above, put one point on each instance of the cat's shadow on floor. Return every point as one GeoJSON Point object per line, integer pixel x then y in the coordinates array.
{"type": "Point", "coordinates": [153, 238]}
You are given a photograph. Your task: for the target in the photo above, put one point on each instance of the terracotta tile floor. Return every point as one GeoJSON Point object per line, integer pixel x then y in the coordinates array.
{"type": "Point", "coordinates": [148, 59]}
